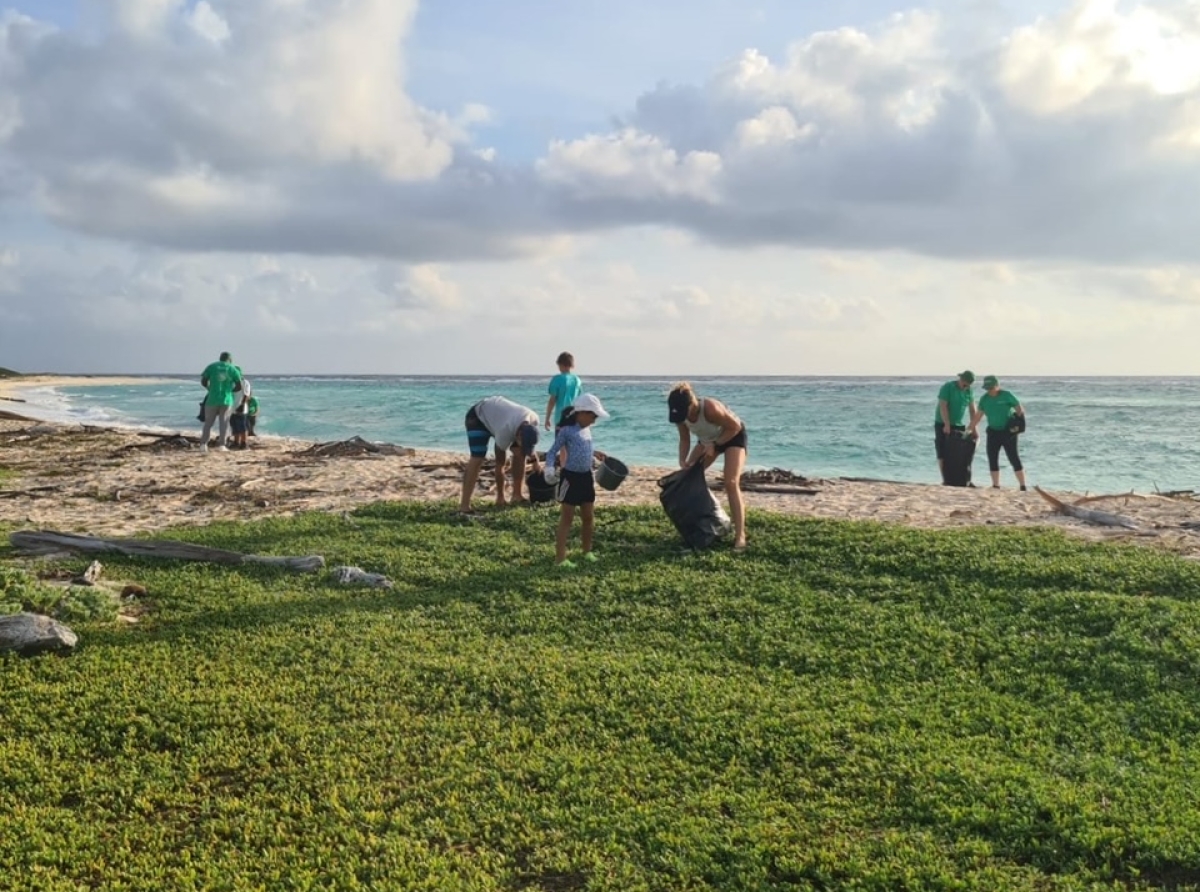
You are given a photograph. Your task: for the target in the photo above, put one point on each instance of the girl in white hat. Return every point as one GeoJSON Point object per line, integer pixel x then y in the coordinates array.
{"type": "Point", "coordinates": [569, 464]}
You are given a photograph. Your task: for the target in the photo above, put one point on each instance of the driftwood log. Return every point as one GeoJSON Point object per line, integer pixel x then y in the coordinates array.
{"type": "Point", "coordinates": [42, 541]}
{"type": "Point", "coordinates": [32, 633]}
{"type": "Point", "coordinates": [1103, 518]}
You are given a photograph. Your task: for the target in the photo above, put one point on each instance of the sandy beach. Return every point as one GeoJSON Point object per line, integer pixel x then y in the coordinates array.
{"type": "Point", "coordinates": [115, 482]}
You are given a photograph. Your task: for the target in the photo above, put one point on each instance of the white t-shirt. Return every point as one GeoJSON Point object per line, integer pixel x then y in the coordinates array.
{"type": "Point", "coordinates": [502, 417]}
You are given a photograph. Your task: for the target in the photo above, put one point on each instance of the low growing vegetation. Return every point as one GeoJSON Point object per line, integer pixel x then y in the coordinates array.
{"type": "Point", "coordinates": [845, 706]}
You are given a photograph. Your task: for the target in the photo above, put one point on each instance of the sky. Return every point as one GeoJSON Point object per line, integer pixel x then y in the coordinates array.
{"type": "Point", "coordinates": [676, 188]}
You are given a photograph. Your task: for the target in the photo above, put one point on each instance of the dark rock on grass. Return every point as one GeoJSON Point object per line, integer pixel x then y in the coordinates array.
{"type": "Point", "coordinates": [32, 633]}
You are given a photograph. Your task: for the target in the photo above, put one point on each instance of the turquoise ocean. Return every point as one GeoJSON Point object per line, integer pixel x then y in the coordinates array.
{"type": "Point", "coordinates": [1085, 434]}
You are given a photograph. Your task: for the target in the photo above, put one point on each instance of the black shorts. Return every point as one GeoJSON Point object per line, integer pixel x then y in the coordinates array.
{"type": "Point", "coordinates": [576, 488]}
{"type": "Point", "coordinates": [738, 441]}
{"type": "Point", "coordinates": [939, 437]}
{"type": "Point", "coordinates": [237, 422]}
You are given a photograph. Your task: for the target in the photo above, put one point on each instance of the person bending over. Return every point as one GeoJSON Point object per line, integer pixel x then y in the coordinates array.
{"type": "Point", "coordinates": [514, 427]}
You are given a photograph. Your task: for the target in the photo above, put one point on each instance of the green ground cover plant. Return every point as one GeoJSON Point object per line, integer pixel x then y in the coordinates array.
{"type": "Point", "coordinates": [845, 706]}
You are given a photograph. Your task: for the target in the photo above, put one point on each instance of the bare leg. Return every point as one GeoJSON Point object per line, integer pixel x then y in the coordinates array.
{"type": "Point", "coordinates": [588, 513]}
{"type": "Point", "coordinates": [501, 466]}
{"type": "Point", "coordinates": [1021, 477]}
{"type": "Point", "coordinates": [470, 478]}
{"type": "Point", "coordinates": [566, 517]}
{"type": "Point", "coordinates": [518, 471]}
{"type": "Point", "coordinates": [735, 461]}
{"type": "Point", "coordinates": [996, 479]}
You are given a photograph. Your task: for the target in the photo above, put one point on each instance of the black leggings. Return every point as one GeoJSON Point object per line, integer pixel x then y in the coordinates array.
{"type": "Point", "coordinates": [1008, 441]}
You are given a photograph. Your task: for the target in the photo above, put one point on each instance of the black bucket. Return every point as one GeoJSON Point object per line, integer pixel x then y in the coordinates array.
{"type": "Point", "coordinates": [539, 490]}
{"type": "Point", "coordinates": [610, 473]}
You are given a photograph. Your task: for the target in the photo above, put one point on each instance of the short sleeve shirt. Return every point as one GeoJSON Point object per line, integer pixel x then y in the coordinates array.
{"type": "Point", "coordinates": [565, 387]}
{"type": "Point", "coordinates": [998, 409]}
{"type": "Point", "coordinates": [958, 401]}
{"type": "Point", "coordinates": [222, 377]}
{"type": "Point", "coordinates": [502, 417]}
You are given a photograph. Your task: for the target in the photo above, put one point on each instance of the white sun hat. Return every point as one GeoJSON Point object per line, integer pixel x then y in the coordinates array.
{"type": "Point", "coordinates": [587, 402]}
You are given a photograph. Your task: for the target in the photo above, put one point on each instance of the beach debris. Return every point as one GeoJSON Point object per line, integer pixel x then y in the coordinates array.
{"type": "Point", "coordinates": [359, 576]}
{"type": "Point", "coordinates": [133, 590]}
{"type": "Point", "coordinates": [39, 541]}
{"type": "Point", "coordinates": [90, 575]}
{"type": "Point", "coordinates": [1103, 518]}
{"type": "Point", "coordinates": [775, 480]}
{"type": "Point", "coordinates": [33, 492]}
{"type": "Point", "coordinates": [165, 441]}
{"type": "Point", "coordinates": [32, 633]}
{"type": "Point", "coordinates": [355, 446]}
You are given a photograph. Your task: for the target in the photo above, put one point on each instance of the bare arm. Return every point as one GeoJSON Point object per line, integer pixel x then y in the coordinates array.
{"type": "Point", "coordinates": [944, 411]}
{"type": "Point", "coordinates": [685, 444]}
{"type": "Point", "coordinates": [501, 457]}
{"type": "Point", "coordinates": [550, 403]}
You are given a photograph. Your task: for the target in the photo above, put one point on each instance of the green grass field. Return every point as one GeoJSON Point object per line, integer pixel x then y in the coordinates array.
{"type": "Point", "coordinates": [846, 706]}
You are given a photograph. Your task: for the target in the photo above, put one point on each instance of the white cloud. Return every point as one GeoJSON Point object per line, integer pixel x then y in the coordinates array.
{"type": "Point", "coordinates": [629, 165]}
{"type": "Point", "coordinates": [206, 22]}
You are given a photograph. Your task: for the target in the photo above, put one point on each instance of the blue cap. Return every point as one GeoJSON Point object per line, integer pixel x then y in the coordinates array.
{"type": "Point", "coordinates": [527, 433]}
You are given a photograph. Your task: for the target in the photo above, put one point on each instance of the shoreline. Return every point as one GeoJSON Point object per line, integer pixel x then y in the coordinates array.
{"type": "Point", "coordinates": [110, 481]}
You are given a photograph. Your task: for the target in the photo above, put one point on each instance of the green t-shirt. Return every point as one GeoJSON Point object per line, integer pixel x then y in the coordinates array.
{"type": "Point", "coordinates": [958, 401]}
{"type": "Point", "coordinates": [222, 377]}
{"type": "Point", "coordinates": [998, 409]}
{"type": "Point", "coordinates": [252, 405]}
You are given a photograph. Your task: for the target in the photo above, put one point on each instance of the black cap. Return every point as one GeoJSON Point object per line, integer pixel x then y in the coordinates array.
{"type": "Point", "coordinates": [678, 404]}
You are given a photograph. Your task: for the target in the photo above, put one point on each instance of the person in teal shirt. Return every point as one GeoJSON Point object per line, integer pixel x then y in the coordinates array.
{"type": "Point", "coordinates": [955, 406]}
{"type": "Point", "coordinates": [221, 378]}
{"type": "Point", "coordinates": [1001, 408]}
{"type": "Point", "coordinates": [564, 388]}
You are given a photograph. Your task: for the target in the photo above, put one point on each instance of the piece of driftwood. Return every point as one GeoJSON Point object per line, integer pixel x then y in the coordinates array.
{"type": "Point", "coordinates": [32, 633]}
{"type": "Point", "coordinates": [12, 399]}
{"type": "Point", "coordinates": [1103, 518]}
{"type": "Point", "coordinates": [33, 492]}
{"type": "Point", "coordinates": [39, 541]}
{"type": "Point", "coordinates": [359, 576]}
{"type": "Point", "coordinates": [356, 446]}
{"type": "Point", "coordinates": [13, 416]}
{"type": "Point", "coordinates": [165, 441]}
{"type": "Point", "coordinates": [90, 575]}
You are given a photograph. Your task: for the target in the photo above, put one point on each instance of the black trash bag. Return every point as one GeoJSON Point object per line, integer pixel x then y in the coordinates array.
{"type": "Point", "coordinates": [1016, 424]}
{"type": "Point", "coordinates": [960, 452]}
{"type": "Point", "coordinates": [692, 507]}
{"type": "Point", "coordinates": [200, 417]}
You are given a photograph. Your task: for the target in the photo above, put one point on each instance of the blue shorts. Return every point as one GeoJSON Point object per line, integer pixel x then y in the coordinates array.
{"type": "Point", "coordinates": [477, 435]}
{"type": "Point", "coordinates": [237, 423]}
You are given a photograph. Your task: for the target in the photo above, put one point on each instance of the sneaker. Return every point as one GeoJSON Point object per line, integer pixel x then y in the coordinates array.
{"type": "Point", "coordinates": [204, 447]}
{"type": "Point", "coordinates": [1023, 489]}
{"type": "Point", "coordinates": [590, 557]}
{"type": "Point", "coordinates": [566, 565]}
{"type": "Point", "coordinates": [222, 449]}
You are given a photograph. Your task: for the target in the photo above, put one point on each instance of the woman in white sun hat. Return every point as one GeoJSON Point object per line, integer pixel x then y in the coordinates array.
{"type": "Point", "coordinates": [572, 451]}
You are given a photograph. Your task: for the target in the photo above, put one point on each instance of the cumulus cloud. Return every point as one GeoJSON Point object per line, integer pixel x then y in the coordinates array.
{"type": "Point", "coordinates": [287, 127]}
{"type": "Point", "coordinates": [1076, 137]}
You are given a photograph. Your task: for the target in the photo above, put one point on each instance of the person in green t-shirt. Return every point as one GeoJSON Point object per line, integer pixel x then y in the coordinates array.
{"type": "Point", "coordinates": [1000, 407]}
{"type": "Point", "coordinates": [955, 407]}
{"type": "Point", "coordinates": [251, 414]}
{"type": "Point", "coordinates": [221, 378]}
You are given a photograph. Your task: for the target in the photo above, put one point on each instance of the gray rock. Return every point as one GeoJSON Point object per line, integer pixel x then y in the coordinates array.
{"type": "Point", "coordinates": [32, 633]}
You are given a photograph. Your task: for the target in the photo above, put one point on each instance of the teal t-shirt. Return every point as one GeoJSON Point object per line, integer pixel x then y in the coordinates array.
{"type": "Point", "coordinates": [222, 377]}
{"type": "Point", "coordinates": [958, 401]}
{"type": "Point", "coordinates": [998, 409]}
{"type": "Point", "coordinates": [565, 387]}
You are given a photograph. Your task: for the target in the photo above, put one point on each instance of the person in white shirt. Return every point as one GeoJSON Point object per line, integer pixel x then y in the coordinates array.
{"type": "Point", "coordinates": [514, 427]}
